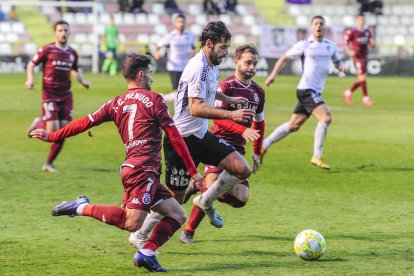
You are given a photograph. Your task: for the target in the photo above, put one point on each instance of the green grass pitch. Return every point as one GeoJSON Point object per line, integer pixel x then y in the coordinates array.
{"type": "Point", "coordinates": [364, 206]}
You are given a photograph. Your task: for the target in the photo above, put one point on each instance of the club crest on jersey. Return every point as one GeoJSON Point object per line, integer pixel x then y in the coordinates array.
{"type": "Point", "coordinates": [197, 88]}
{"type": "Point", "coordinates": [146, 199]}
{"type": "Point", "coordinates": [256, 97]}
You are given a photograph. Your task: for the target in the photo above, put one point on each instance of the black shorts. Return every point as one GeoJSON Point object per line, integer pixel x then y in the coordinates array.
{"type": "Point", "coordinates": [210, 150]}
{"type": "Point", "coordinates": [308, 100]}
{"type": "Point", "coordinates": [175, 78]}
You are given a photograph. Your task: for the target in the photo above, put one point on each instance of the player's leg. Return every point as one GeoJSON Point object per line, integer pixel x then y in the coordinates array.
{"type": "Point", "coordinates": [324, 117]}
{"type": "Point", "coordinates": [238, 196]}
{"type": "Point", "coordinates": [138, 238]}
{"type": "Point", "coordinates": [362, 77]}
{"type": "Point", "coordinates": [173, 217]}
{"type": "Point", "coordinates": [211, 174]}
{"type": "Point", "coordinates": [357, 83]}
{"type": "Point", "coordinates": [175, 79]}
{"type": "Point", "coordinates": [236, 169]}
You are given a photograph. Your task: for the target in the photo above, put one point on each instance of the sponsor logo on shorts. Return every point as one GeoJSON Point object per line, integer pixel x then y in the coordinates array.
{"type": "Point", "coordinates": [135, 201]}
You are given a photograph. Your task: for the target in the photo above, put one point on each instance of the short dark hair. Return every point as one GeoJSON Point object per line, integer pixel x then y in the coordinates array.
{"type": "Point", "coordinates": [246, 48]}
{"type": "Point", "coordinates": [318, 17]}
{"type": "Point", "coordinates": [60, 22]}
{"type": "Point", "coordinates": [216, 31]}
{"type": "Point", "coordinates": [133, 64]}
{"type": "Point", "coordinates": [180, 15]}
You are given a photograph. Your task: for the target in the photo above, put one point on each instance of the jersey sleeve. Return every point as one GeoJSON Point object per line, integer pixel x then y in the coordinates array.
{"type": "Point", "coordinates": [104, 113]}
{"type": "Point", "coordinates": [197, 82]}
{"type": "Point", "coordinates": [296, 50]}
{"type": "Point", "coordinates": [165, 41]}
{"type": "Point", "coordinates": [41, 56]}
{"type": "Point", "coordinates": [75, 62]}
{"type": "Point", "coordinates": [162, 114]}
{"type": "Point", "coordinates": [335, 57]}
{"type": "Point", "coordinates": [222, 88]}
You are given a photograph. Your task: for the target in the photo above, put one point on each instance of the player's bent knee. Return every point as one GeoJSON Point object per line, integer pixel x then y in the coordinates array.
{"type": "Point", "coordinates": [244, 173]}
{"type": "Point", "coordinates": [293, 128]}
{"type": "Point", "coordinates": [132, 226]}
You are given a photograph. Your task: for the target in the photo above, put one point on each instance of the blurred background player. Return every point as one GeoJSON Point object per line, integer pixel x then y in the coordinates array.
{"type": "Point", "coordinates": [139, 115]}
{"type": "Point", "coordinates": [180, 46]}
{"type": "Point", "coordinates": [59, 61]}
{"type": "Point", "coordinates": [110, 64]}
{"type": "Point", "coordinates": [360, 38]}
{"type": "Point", "coordinates": [238, 85]}
{"type": "Point", "coordinates": [316, 53]}
{"type": "Point", "coordinates": [194, 106]}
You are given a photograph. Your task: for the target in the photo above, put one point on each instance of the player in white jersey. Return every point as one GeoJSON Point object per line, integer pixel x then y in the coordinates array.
{"type": "Point", "coordinates": [181, 47]}
{"type": "Point", "coordinates": [194, 106]}
{"type": "Point", "coordinates": [316, 53]}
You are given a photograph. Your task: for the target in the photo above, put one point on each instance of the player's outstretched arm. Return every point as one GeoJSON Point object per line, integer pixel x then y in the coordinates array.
{"type": "Point", "coordinates": [276, 69]}
{"type": "Point", "coordinates": [29, 72]}
{"type": "Point", "coordinates": [199, 109]}
{"type": "Point", "coordinates": [79, 77]}
{"type": "Point", "coordinates": [249, 134]}
{"type": "Point", "coordinates": [72, 129]}
{"type": "Point", "coordinates": [231, 100]}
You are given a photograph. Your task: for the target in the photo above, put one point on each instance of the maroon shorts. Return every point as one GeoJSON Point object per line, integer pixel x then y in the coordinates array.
{"type": "Point", "coordinates": [360, 66]}
{"type": "Point", "coordinates": [60, 110]}
{"type": "Point", "coordinates": [142, 189]}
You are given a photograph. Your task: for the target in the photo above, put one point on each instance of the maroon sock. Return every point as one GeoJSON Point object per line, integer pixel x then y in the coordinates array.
{"type": "Point", "coordinates": [109, 214]}
{"type": "Point", "coordinates": [364, 88]}
{"type": "Point", "coordinates": [196, 216]}
{"type": "Point", "coordinates": [354, 86]}
{"type": "Point", "coordinates": [54, 150]}
{"type": "Point", "coordinates": [162, 232]}
{"type": "Point", "coordinates": [231, 200]}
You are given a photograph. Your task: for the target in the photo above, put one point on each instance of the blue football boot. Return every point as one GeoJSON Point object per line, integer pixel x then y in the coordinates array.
{"type": "Point", "coordinates": [69, 208]}
{"type": "Point", "coordinates": [149, 262]}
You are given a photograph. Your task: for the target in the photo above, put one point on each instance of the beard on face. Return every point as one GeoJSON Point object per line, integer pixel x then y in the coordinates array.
{"type": "Point", "coordinates": [216, 60]}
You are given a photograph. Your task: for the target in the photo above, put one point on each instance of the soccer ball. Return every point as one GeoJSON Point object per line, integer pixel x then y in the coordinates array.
{"type": "Point", "coordinates": [309, 245]}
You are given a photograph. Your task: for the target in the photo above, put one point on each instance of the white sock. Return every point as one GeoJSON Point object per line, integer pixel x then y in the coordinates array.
{"type": "Point", "coordinates": [149, 223]}
{"type": "Point", "coordinates": [320, 135]}
{"type": "Point", "coordinates": [170, 97]}
{"type": "Point", "coordinates": [147, 252]}
{"type": "Point", "coordinates": [80, 208]}
{"type": "Point", "coordinates": [279, 133]}
{"type": "Point", "coordinates": [224, 182]}
{"type": "Point", "coordinates": [348, 93]}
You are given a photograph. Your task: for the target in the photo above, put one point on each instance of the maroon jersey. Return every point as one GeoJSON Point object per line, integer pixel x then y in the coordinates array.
{"type": "Point", "coordinates": [139, 115]}
{"type": "Point", "coordinates": [234, 88]}
{"type": "Point", "coordinates": [57, 64]}
{"type": "Point", "coordinates": [359, 39]}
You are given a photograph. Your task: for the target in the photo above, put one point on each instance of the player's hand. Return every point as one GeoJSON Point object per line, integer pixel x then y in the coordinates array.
{"type": "Point", "coordinates": [239, 100]}
{"type": "Point", "coordinates": [198, 181]}
{"type": "Point", "coordinates": [256, 163]}
{"type": "Point", "coordinates": [242, 115]}
{"type": "Point", "coordinates": [251, 134]}
{"type": "Point", "coordinates": [343, 69]}
{"type": "Point", "coordinates": [86, 84]}
{"type": "Point", "coordinates": [40, 134]}
{"type": "Point", "coordinates": [29, 84]}
{"type": "Point", "coordinates": [269, 80]}
{"type": "Point", "coordinates": [157, 55]}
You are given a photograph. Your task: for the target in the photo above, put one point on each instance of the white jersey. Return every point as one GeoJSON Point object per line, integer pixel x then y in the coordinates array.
{"type": "Point", "coordinates": [198, 80]}
{"type": "Point", "coordinates": [179, 49]}
{"type": "Point", "coordinates": [316, 58]}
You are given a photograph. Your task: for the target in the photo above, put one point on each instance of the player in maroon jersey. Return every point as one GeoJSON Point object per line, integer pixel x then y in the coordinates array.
{"type": "Point", "coordinates": [59, 62]}
{"type": "Point", "coordinates": [360, 38]}
{"type": "Point", "coordinates": [139, 114]}
{"type": "Point", "coordinates": [237, 85]}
